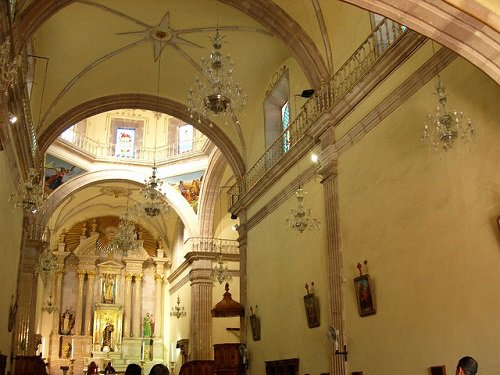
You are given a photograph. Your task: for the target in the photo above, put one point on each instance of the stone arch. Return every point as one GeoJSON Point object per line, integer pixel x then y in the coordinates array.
{"type": "Point", "coordinates": [466, 27]}
{"type": "Point", "coordinates": [142, 101]}
{"type": "Point", "coordinates": [463, 26]}
{"type": "Point", "coordinates": [175, 200]}
{"type": "Point", "coordinates": [208, 201]}
{"type": "Point", "coordinates": [268, 14]}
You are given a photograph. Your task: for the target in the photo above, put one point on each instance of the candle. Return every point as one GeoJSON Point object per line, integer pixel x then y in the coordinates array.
{"type": "Point", "coordinates": [72, 347]}
{"type": "Point", "coordinates": [43, 346]}
{"type": "Point", "coordinates": [142, 352]}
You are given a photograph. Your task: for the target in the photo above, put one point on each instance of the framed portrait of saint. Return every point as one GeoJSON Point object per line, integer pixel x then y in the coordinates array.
{"type": "Point", "coordinates": [312, 310]}
{"type": "Point", "coordinates": [364, 295]}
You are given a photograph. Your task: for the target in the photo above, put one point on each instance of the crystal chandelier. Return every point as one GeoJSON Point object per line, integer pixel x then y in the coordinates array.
{"type": "Point", "coordinates": [49, 306]}
{"type": "Point", "coordinates": [33, 193]}
{"type": "Point", "coordinates": [220, 272]}
{"type": "Point", "coordinates": [443, 128]}
{"type": "Point", "coordinates": [47, 263]}
{"type": "Point", "coordinates": [216, 94]}
{"type": "Point", "coordinates": [178, 311]}
{"type": "Point", "coordinates": [300, 219]}
{"type": "Point", "coordinates": [154, 203]}
{"type": "Point", "coordinates": [125, 239]}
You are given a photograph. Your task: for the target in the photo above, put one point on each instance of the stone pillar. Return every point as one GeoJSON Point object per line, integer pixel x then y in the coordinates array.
{"type": "Point", "coordinates": [54, 336]}
{"type": "Point", "coordinates": [57, 300]}
{"type": "Point", "coordinates": [79, 304]}
{"type": "Point", "coordinates": [328, 171]}
{"type": "Point", "coordinates": [201, 304]}
{"type": "Point", "coordinates": [89, 303]}
{"type": "Point", "coordinates": [128, 305]}
{"type": "Point", "coordinates": [136, 323]}
{"type": "Point", "coordinates": [24, 339]}
{"type": "Point", "coordinates": [158, 305]}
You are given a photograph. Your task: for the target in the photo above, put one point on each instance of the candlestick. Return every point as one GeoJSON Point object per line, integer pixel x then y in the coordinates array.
{"type": "Point", "coordinates": [172, 352]}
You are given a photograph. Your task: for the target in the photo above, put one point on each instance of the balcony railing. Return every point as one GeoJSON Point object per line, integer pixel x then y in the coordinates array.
{"type": "Point", "coordinates": [211, 245]}
{"type": "Point", "coordinates": [106, 151]}
{"type": "Point", "coordinates": [329, 94]}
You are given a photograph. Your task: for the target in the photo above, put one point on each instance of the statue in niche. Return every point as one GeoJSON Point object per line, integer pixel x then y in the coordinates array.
{"type": "Point", "coordinates": [106, 337]}
{"type": "Point", "coordinates": [109, 289]}
{"type": "Point", "coordinates": [148, 325]}
{"type": "Point", "coordinates": [67, 322]}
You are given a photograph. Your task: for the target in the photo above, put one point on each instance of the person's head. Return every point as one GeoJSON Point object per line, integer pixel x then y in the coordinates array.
{"type": "Point", "coordinates": [133, 369]}
{"type": "Point", "coordinates": [159, 369]}
{"type": "Point", "coordinates": [466, 366]}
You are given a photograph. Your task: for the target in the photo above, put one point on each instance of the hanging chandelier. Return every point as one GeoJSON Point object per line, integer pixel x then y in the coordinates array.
{"type": "Point", "coordinates": [125, 238]}
{"type": "Point", "coordinates": [178, 311]}
{"type": "Point", "coordinates": [216, 94]}
{"type": "Point", "coordinates": [47, 263]}
{"type": "Point", "coordinates": [32, 191]}
{"type": "Point", "coordinates": [443, 128]}
{"type": "Point", "coordinates": [220, 272]}
{"type": "Point", "coordinates": [49, 306]}
{"type": "Point", "coordinates": [154, 202]}
{"type": "Point", "coordinates": [300, 219]}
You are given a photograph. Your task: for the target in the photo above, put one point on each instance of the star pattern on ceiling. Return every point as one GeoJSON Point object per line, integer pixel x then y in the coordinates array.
{"type": "Point", "coordinates": [163, 35]}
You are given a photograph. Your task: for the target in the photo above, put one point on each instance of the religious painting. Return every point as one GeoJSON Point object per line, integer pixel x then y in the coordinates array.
{"type": "Point", "coordinates": [364, 296]}
{"type": "Point", "coordinates": [57, 172]}
{"type": "Point", "coordinates": [188, 186]}
{"type": "Point", "coordinates": [312, 310]}
{"type": "Point", "coordinates": [255, 325]}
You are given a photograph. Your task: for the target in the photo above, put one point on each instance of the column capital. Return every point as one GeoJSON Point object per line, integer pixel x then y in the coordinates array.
{"type": "Point", "coordinates": [138, 276]}
{"type": "Point", "coordinates": [128, 276]}
{"type": "Point", "coordinates": [159, 277]}
{"type": "Point", "coordinates": [91, 274]}
{"type": "Point", "coordinates": [81, 274]}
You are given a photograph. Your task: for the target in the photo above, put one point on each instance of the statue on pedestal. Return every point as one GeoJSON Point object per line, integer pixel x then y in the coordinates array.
{"type": "Point", "coordinates": [67, 322]}
{"type": "Point", "coordinates": [106, 337]}
{"type": "Point", "coordinates": [148, 325]}
{"type": "Point", "coordinates": [108, 289]}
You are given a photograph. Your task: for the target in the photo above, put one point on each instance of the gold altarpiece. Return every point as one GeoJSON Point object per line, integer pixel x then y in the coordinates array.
{"type": "Point", "coordinates": [108, 328]}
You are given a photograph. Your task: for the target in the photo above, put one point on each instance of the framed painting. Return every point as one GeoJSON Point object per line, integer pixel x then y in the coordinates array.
{"type": "Point", "coordinates": [438, 370]}
{"type": "Point", "coordinates": [312, 310]}
{"type": "Point", "coordinates": [255, 325]}
{"type": "Point", "coordinates": [364, 296]}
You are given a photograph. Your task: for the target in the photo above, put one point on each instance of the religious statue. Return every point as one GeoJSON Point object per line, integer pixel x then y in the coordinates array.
{"type": "Point", "coordinates": [106, 336]}
{"type": "Point", "coordinates": [108, 289]}
{"type": "Point", "coordinates": [148, 322]}
{"type": "Point", "coordinates": [67, 322]}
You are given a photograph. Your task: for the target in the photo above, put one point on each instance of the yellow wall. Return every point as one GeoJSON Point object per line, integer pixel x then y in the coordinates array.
{"type": "Point", "coordinates": [10, 234]}
{"type": "Point", "coordinates": [426, 225]}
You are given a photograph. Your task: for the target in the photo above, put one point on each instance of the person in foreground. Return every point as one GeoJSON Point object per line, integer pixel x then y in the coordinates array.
{"type": "Point", "coordinates": [466, 366]}
{"type": "Point", "coordinates": [159, 369]}
{"type": "Point", "coordinates": [133, 369]}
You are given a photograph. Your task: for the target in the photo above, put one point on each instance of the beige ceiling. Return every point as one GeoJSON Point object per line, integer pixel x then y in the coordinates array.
{"type": "Point", "coordinates": [102, 48]}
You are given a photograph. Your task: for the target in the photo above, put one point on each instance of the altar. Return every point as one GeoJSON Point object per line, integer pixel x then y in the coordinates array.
{"type": "Point", "coordinates": [108, 320]}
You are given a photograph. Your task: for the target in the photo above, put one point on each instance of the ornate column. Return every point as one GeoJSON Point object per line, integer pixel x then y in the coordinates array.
{"type": "Point", "coordinates": [128, 305]}
{"type": "Point", "coordinates": [89, 303]}
{"type": "Point", "coordinates": [57, 300]}
{"type": "Point", "coordinates": [158, 304]}
{"type": "Point", "coordinates": [201, 304]}
{"type": "Point", "coordinates": [79, 304]}
{"type": "Point", "coordinates": [328, 170]}
{"type": "Point", "coordinates": [136, 323]}
{"type": "Point", "coordinates": [24, 343]}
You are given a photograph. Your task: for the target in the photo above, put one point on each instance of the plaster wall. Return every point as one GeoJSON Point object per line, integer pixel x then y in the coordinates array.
{"type": "Point", "coordinates": [11, 235]}
{"type": "Point", "coordinates": [426, 224]}
{"type": "Point", "coordinates": [280, 262]}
